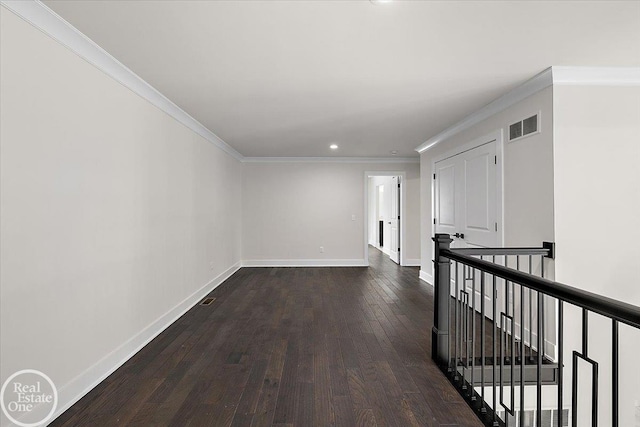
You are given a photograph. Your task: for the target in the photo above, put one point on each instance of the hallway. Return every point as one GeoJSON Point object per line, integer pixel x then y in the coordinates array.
{"type": "Point", "coordinates": [289, 346]}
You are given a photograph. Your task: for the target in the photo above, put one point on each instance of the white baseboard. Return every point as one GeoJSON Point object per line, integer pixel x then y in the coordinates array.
{"type": "Point", "coordinates": [411, 262]}
{"type": "Point", "coordinates": [426, 277]}
{"type": "Point", "coordinates": [74, 390]}
{"type": "Point", "coordinates": [305, 263]}
{"type": "Point", "coordinates": [381, 249]}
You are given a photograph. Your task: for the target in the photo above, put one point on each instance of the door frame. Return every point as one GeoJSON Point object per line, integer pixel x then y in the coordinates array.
{"type": "Point", "coordinates": [496, 136]}
{"type": "Point", "coordinates": [403, 210]}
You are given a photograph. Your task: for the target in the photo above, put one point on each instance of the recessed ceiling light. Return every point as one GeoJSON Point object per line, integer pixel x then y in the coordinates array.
{"type": "Point", "coordinates": [394, 152]}
{"type": "Point", "coordinates": [334, 146]}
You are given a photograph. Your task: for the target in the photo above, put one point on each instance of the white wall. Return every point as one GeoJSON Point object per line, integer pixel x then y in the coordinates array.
{"type": "Point", "coordinates": [291, 209]}
{"type": "Point", "coordinates": [597, 207]}
{"type": "Point", "coordinates": [112, 214]}
{"type": "Point", "coordinates": [527, 195]}
{"type": "Point", "coordinates": [528, 177]}
{"type": "Point", "coordinates": [115, 218]}
{"type": "Point", "coordinates": [576, 183]}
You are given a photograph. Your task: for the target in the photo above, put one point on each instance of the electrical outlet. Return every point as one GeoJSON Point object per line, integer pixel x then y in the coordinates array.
{"type": "Point", "coordinates": [353, 217]}
{"type": "Point", "coordinates": [321, 249]}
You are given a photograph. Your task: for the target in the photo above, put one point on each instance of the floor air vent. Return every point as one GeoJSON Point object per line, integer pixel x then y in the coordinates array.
{"type": "Point", "coordinates": [207, 301]}
{"type": "Point", "coordinates": [524, 127]}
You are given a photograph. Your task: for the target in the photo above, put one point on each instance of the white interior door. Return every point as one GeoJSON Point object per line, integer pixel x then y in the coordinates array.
{"type": "Point", "coordinates": [448, 197]}
{"type": "Point", "coordinates": [465, 204]}
{"type": "Point", "coordinates": [394, 221]}
{"type": "Point", "coordinates": [478, 214]}
{"type": "Point", "coordinates": [465, 197]}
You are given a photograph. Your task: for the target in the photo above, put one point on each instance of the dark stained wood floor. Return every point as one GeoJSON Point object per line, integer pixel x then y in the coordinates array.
{"type": "Point", "coordinates": [289, 347]}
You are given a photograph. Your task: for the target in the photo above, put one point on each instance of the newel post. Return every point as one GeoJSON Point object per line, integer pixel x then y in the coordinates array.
{"type": "Point", "coordinates": [441, 285]}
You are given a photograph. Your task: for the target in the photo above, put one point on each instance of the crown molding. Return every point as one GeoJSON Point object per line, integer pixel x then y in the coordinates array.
{"type": "Point", "coordinates": [331, 160]}
{"type": "Point", "coordinates": [596, 76]}
{"type": "Point", "coordinates": [535, 84]}
{"type": "Point", "coordinates": [50, 23]}
{"type": "Point", "coordinates": [556, 75]}
{"type": "Point", "coordinates": [53, 25]}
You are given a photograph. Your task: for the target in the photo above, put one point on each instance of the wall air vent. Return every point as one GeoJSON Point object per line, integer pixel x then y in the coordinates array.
{"type": "Point", "coordinates": [525, 127]}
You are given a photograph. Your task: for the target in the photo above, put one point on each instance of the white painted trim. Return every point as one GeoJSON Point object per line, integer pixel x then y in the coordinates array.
{"type": "Point", "coordinates": [381, 249]}
{"type": "Point", "coordinates": [53, 25]}
{"type": "Point", "coordinates": [384, 250]}
{"type": "Point", "coordinates": [586, 76]}
{"type": "Point", "coordinates": [75, 389]}
{"type": "Point", "coordinates": [403, 212]}
{"type": "Point", "coordinates": [412, 262]}
{"type": "Point", "coordinates": [305, 263]}
{"type": "Point", "coordinates": [528, 88]}
{"type": "Point", "coordinates": [331, 159]}
{"type": "Point", "coordinates": [596, 76]}
{"type": "Point", "coordinates": [426, 277]}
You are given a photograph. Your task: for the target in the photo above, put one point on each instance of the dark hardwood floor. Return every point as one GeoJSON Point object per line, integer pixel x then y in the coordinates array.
{"type": "Point", "coordinates": [289, 347]}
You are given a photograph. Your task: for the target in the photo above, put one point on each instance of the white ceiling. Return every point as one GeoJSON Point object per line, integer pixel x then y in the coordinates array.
{"type": "Point", "coordinates": [288, 78]}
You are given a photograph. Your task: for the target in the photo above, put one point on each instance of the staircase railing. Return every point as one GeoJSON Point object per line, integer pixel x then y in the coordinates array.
{"type": "Point", "coordinates": [499, 326]}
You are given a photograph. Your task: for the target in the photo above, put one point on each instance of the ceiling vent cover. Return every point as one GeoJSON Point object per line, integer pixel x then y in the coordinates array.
{"type": "Point", "coordinates": [524, 127]}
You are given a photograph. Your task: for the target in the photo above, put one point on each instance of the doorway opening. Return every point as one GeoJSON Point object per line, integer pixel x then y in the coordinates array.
{"type": "Point", "coordinates": [384, 213]}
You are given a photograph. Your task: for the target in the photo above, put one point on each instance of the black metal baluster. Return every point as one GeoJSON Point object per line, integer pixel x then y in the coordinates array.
{"type": "Point", "coordinates": [574, 391]}
{"type": "Point", "coordinates": [560, 359]}
{"type": "Point", "coordinates": [513, 363]}
{"type": "Point", "coordinates": [542, 327]}
{"type": "Point", "coordinates": [512, 346]}
{"type": "Point", "coordinates": [449, 326]}
{"type": "Point", "coordinates": [506, 297]}
{"type": "Point", "coordinates": [594, 395]}
{"type": "Point", "coordinates": [539, 368]}
{"type": "Point", "coordinates": [506, 287]}
{"type": "Point", "coordinates": [585, 349]}
{"type": "Point", "coordinates": [457, 325]}
{"type": "Point", "coordinates": [585, 332]}
{"type": "Point", "coordinates": [465, 334]}
{"type": "Point", "coordinates": [482, 338]}
{"type": "Point", "coordinates": [594, 375]}
{"type": "Point", "coordinates": [467, 340]}
{"type": "Point", "coordinates": [473, 333]}
{"type": "Point", "coordinates": [541, 349]}
{"type": "Point", "coordinates": [530, 314]}
{"type": "Point", "coordinates": [614, 373]}
{"type": "Point", "coordinates": [521, 347]}
{"type": "Point", "coordinates": [502, 353]}
{"type": "Point", "coordinates": [493, 344]}
{"type": "Point", "coordinates": [503, 325]}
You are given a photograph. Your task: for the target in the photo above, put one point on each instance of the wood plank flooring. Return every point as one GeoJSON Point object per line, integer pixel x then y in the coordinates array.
{"type": "Point", "coordinates": [289, 347]}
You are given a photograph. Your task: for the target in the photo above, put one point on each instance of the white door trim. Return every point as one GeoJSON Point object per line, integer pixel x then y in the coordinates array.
{"type": "Point", "coordinates": [403, 205]}
{"type": "Point", "coordinates": [496, 136]}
